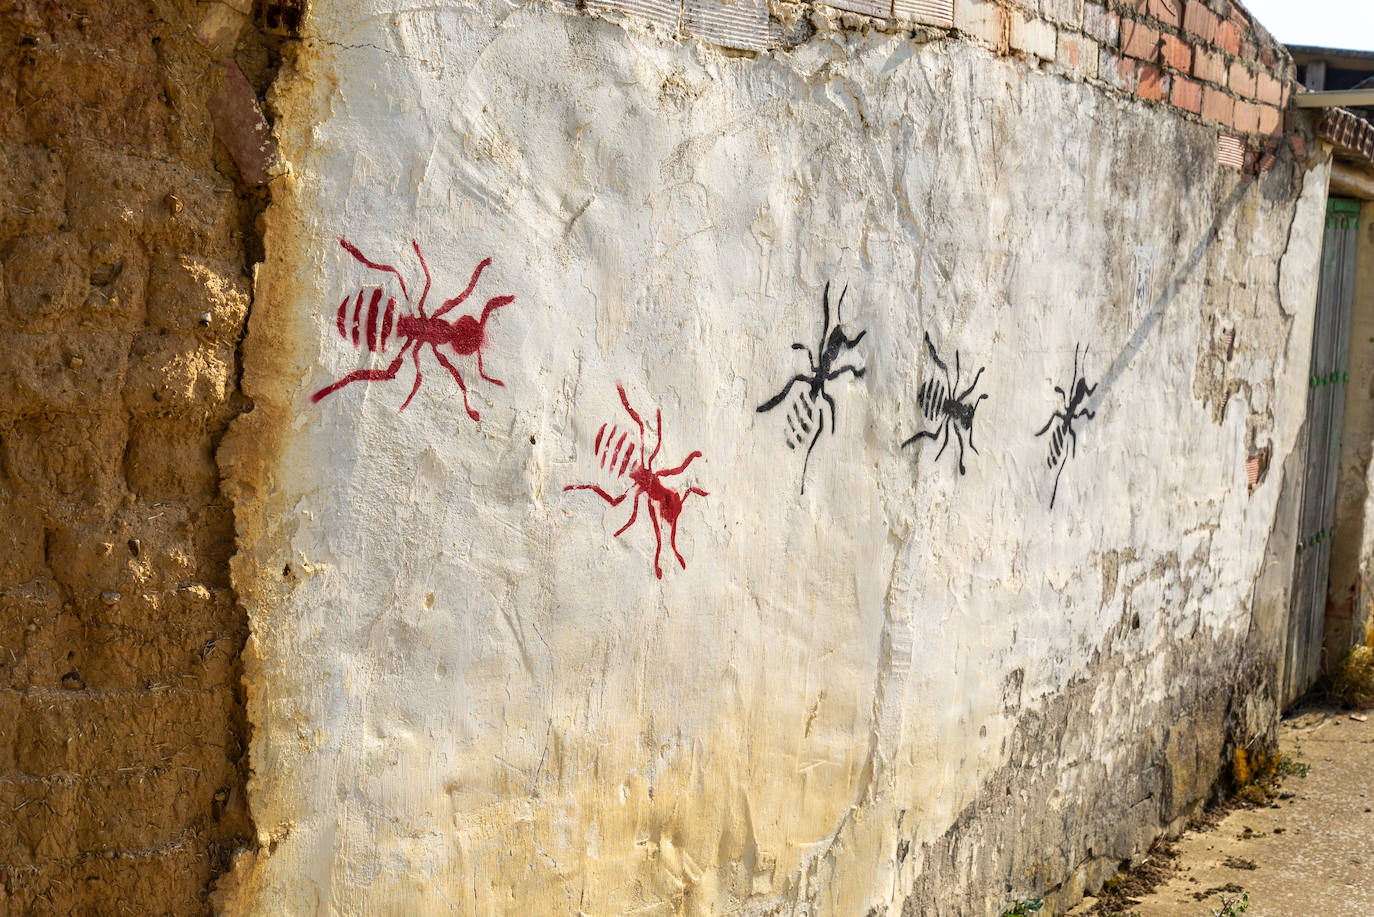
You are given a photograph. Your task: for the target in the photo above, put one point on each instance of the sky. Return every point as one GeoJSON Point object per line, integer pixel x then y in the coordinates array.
{"type": "Point", "coordinates": [1327, 23]}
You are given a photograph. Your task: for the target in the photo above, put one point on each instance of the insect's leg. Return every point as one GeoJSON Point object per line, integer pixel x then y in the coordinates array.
{"type": "Point", "coordinates": [614, 501]}
{"type": "Point", "coordinates": [364, 375]}
{"type": "Point", "coordinates": [820, 428]}
{"type": "Point", "coordinates": [944, 442]}
{"type": "Point", "coordinates": [634, 513]}
{"type": "Point", "coordinates": [421, 307]}
{"type": "Point", "coordinates": [453, 371]}
{"type": "Point", "coordinates": [777, 399]}
{"type": "Point", "coordinates": [1073, 439]}
{"type": "Point", "coordinates": [672, 543]}
{"type": "Point", "coordinates": [1085, 413]}
{"type": "Point", "coordinates": [810, 359]}
{"type": "Point", "coordinates": [680, 468]}
{"type": "Point", "coordinates": [658, 540]}
{"type": "Point", "coordinates": [960, 438]}
{"type": "Point", "coordinates": [965, 393]}
{"type": "Point", "coordinates": [416, 387]}
{"type": "Point", "coordinates": [483, 373]}
{"type": "Point", "coordinates": [858, 372]}
{"type": "Point", "coordinates": [924, 433]}
{"type": "Point", "coordinates": [1057, 415]}
{"type": "Point", "coordinates": [851, 343]}
{"type": "Point", "coordinates": [672, 540]}
{"type": "Point", "coordinates": [1055, 491]}
{"type": "Point", "coordinates": [362, 259]}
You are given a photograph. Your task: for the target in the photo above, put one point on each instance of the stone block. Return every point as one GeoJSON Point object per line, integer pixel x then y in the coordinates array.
{"type": "Point", "coordinates": [1270, 120]}
{"type": "Point", "coordinates": [1209, 66]}
{"type": "Point", "coordinates": [1246, 118]}
{"type": "Point", "coordinates": [1101, 24]}
{"type": "Point", "coordinates": [1177, 53]}
{"type": "Point", "coordinates": [984, 20]}
{"type": "Point", "coordinates": [241, 127]}
{"type": "Point", "coordinates": [1064, 12]}
{"type": "Point", "coordinates": [1268, 89]}
{"type": "Point", "coordinates": [1241, 80]}
{"type": "Point", "coordinates": [1033, 37]}
{"type": "Point", "coordinates": [1186, 94]}
{"type": "Point", "coordinates": [1077, 54]}
{"type": "Point", "coordinates": [1120, 72]}
{"type": "Point", "coordinates": [1153, 84]}
{"type": "Point", "coordinates": [1139, 40]}
{"type": "Point", "coordinates": [1217, 105]}
{"type": "Point", "coordinates": [1168, 12]}
{"type": "Point", "coordinates": [1228, 36]}
{"type": "Point", "coordinates": [1200, 21]}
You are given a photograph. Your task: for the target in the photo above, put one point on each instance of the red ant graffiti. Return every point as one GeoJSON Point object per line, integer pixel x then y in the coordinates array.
{"type": "Point", "coordinates": [644, 480]}
{"type": "Point", "coordinates": [466, 335]}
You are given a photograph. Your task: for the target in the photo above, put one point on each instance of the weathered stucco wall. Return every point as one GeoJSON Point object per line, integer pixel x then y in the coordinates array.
{"type": "Point", "coordinates": [915, 686]}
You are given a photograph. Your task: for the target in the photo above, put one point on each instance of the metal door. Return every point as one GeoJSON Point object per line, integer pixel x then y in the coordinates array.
{"type": "Point", "coordinates": [1325, 406]}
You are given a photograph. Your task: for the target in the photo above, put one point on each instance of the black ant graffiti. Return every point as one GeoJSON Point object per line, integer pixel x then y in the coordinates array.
{"type": "Point", "coordinates": [943, 404]}
{"type": "Point", "coordinates": [1063, 442]}
{"type": "Point", "coordinates": [807, 416]}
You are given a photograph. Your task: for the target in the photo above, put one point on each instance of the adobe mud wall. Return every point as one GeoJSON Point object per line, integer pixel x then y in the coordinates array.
{"type": "Point", "coordinates": [930, 370]}
{"type": "Point", "coordinates": [123, 293]}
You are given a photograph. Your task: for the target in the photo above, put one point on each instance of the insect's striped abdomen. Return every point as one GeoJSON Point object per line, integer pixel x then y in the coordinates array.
{"type": "Point", "coordinates": [615, 449]}
{"type": "Point", "coordinates": [365, 320]}
{"type": "Point", "coordinates": [803, 417]}
{"type": "Point", "coordinates": [931, 398]}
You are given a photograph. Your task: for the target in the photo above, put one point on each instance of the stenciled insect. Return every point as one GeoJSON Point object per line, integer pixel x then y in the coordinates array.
{"type": "Point", "coordinates": [466, 335]}
{"type": "Point", "coordinates": [806, 416]}
{"type": "Point", "coordinates": [663, 502]}
{"type": "Point", "coordinates": [1064, 441]}
{"type": "Point", "coordinates": [943, 404]}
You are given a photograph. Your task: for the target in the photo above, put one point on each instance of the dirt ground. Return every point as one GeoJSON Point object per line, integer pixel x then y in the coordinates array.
{"type": "Point", "coordinates": [1308, 852]}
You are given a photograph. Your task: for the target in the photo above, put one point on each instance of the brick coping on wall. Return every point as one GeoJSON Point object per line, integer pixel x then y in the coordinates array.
{"type": "Point", "coordinates": [1348, 133]}
{"type": "Point", "coordinates": [1206, 59]}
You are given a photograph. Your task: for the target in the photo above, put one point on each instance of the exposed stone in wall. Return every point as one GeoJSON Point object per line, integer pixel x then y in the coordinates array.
{"type": "Point", "coordinates": [123, 295]}
{"type": "Point", "coordinates": [910, 684]}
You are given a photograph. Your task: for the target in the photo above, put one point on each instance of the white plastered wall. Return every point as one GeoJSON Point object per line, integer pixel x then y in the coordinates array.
{"type": "Point", "coordinates": [469, 696]}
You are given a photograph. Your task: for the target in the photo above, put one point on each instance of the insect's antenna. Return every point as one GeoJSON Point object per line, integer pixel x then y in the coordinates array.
{"type": "Point", "coordinates": [825, 312]}
{"type": "Point", "coordinates": [936, 356]}
{"type": "Point", "coordinates": [363, 259]}
{"type": "Point", "coordinates": [458, 300]}
{"type": "Point", "coordinates": [425, 267]}
{"type": "Point", "coordinates": [493, 304]}
{"type": "Point", "coordinates": [658, 437]}
{"type": "Point", "coordinates": [839, 306]}
{"type": "Point", "coordinates": [620, 387]}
